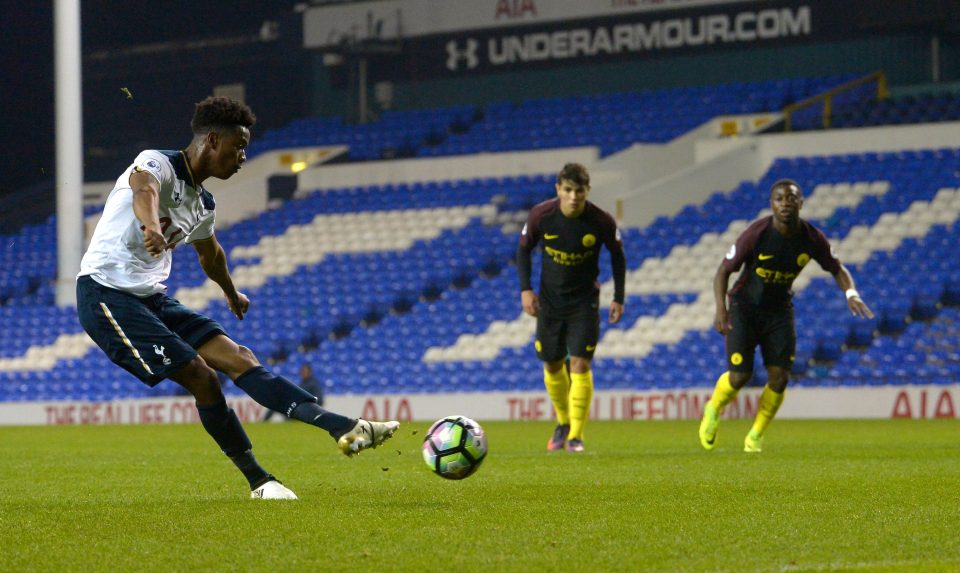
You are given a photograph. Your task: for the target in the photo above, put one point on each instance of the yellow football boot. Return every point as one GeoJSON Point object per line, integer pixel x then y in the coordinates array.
{"type": "Point", "coordinates": [753, 443]}
{"type": "Point", "coordinates": [708, 427]}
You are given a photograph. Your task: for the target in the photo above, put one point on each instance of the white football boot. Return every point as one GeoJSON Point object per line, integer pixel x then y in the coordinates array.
{"type": "Point", "coordinates": [272, 490]}
{"type": "Point", "coordinates": [366, 434]}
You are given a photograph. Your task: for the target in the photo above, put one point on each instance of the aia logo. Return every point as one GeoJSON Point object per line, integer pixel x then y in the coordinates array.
{"type": "Point", "coordinates": [467, 55]}
{"type": "Point", "coordinates": [514, 9]}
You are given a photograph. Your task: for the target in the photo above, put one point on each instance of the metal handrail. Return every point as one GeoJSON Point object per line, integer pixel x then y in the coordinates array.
{"type": "Point", "coordinates": [827, 98]}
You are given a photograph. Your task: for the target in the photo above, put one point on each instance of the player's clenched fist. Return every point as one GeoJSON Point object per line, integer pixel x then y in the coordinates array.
{"type": "Point", "coordinates": [154, 242]}
{"type": "Point", "coordinates": [238, 305]}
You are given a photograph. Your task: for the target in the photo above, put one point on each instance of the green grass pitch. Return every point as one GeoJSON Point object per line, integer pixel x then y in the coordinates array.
{"type": "Point", "coordinates": [824, 496]}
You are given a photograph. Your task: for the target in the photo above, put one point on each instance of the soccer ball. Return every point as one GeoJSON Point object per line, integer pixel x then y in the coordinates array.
{"type": "Point", "coordinates": [454, 447]}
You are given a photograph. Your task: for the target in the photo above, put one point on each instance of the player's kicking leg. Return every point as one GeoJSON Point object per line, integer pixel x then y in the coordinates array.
{"type": "Point", "coordinates": [352, 435]}
{"type": "Point", "coordinates": [366, 434]}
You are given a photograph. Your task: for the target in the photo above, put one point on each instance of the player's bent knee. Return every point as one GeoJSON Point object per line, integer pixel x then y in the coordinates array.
{"type": "Point", "coordinates": [207, 390]}
{"type": "Point", "coordinates": [248, 357]}
{"type": "Point", "coordinates": [200, 380]}
{"type": "Point", "coordinates": [190, 371]}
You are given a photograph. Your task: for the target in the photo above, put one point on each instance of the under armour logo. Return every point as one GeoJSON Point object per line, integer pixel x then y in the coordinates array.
{"type": "Point", "coordinates": [455, 55]}
{"type": "Point", "coordinates": [159, 351]}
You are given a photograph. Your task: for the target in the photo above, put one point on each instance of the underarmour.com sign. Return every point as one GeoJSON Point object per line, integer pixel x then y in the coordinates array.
{"type": "Point", "coordinates": [466, 54]}
{"type": "Point", "coordinates": [625, 38]}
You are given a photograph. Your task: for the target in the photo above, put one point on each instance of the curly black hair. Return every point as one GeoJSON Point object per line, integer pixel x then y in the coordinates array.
{"type": "Point", "coordinates": [218, 112]}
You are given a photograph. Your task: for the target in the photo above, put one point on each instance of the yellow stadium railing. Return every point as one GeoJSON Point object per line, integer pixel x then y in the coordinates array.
{"type": "Point", "coordinates": [827, 98]}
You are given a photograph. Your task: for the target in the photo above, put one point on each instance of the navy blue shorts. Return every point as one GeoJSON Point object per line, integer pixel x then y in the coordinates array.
{"type": "Point", "coordinates": [149, 337]}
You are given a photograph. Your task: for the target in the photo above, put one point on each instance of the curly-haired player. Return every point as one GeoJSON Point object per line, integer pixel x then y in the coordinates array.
{"type": "Point", "coordinates": [158, 203]}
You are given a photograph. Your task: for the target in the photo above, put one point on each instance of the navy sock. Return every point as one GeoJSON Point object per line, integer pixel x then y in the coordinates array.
{"type": "Point", "coordinates": [274, 392]}
{"type": "Point", "coordinates": [312, 413]}
{"type": "Point", "coordinates": [247, 464]}
{"type": "Point", "coordinates": [282, 395]}
{"type": "Point", "coordinates": [224, 427]}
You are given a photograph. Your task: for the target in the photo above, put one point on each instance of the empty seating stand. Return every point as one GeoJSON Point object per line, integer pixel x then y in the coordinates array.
{"type": "Point", "coordinates": [411, 288]}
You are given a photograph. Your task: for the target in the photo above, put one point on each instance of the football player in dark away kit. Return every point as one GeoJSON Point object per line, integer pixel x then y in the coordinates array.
{"type": "Point", "coordinates": [571, 231]}
{"type": "Point", "coordinates": [774, 249]}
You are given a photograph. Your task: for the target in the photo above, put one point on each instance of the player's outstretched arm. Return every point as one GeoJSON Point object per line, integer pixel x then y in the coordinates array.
{"type": "Point", "coordinates": [854, 302]}
{"type": "Point", "coordinates": [721, 280]}
{"type": "Point", "coordinates": [213, 260]}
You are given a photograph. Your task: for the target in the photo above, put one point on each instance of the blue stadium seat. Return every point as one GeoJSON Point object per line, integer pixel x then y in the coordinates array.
{"type": "Point", "coordinates": [421, 299]}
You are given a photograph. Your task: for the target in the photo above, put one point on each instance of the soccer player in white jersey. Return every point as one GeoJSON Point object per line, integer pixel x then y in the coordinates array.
{"type": "Point", "coordinates": [158, 203]}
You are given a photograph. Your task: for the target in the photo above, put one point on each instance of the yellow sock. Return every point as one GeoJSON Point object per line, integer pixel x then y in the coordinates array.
{"type": "Point", "coordinates": [558, 387]}
{"type": "Point", "coordinates": [581, 396]}
{"type": "Point", "coordinates": [767, 408]}
{"type": "Point", "coordinates": [723, 393]}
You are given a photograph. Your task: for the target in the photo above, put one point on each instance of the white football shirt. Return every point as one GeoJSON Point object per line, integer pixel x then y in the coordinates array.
{"type": "Point", "coordinates": [117, 257]}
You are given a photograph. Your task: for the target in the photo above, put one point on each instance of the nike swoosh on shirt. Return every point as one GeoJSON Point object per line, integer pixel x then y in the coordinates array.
{"type": "Point", "coordinates": [765, 257]}
{"type": "Point", "coordinates": [591, 348]}
{"type": "Point", "coordinates": [549, 237]}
